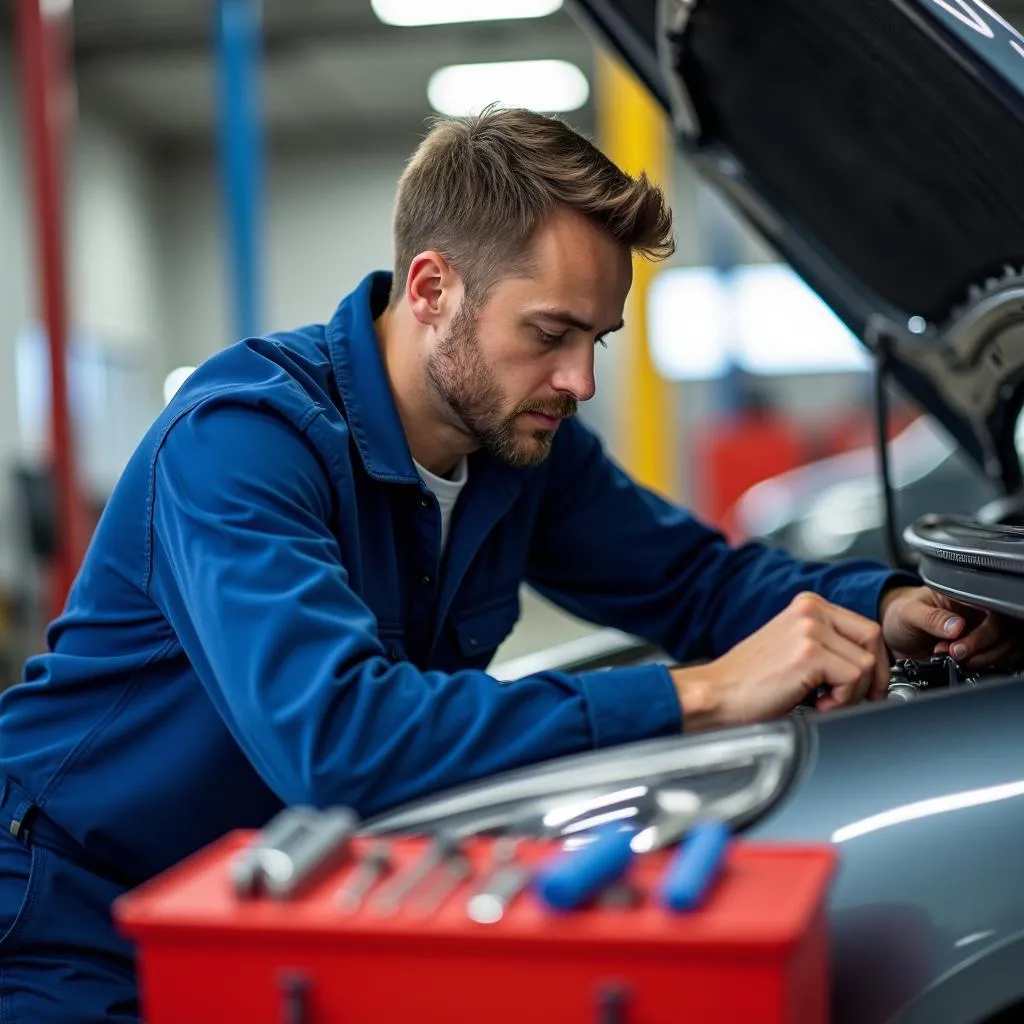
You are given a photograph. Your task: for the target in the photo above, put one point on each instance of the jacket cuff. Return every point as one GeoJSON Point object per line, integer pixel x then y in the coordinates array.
{"type": "Point", "coordinates": [628, 704]}
{"type": "Point", "coordinates": [862, 592]}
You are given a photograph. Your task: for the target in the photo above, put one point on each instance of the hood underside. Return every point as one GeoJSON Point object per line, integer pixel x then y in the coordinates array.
{"type": "Point", "coordinates": [878, 146]}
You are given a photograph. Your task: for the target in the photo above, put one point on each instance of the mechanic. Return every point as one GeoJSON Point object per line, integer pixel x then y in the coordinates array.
{"type": "Point", "coordinates": [297, 584]}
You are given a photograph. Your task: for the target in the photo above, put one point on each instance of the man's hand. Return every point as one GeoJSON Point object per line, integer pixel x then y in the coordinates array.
{"type": "Point", "coordinates": [917, 623]}
{"type": "Point", "coordinates": [810, 644]}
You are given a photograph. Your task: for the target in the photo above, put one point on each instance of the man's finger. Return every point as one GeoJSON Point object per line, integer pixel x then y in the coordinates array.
{"type": "Point", "coordinates": [866, 634]}
{"type": "Point", "coordinates": [1001, 654]}
{"type": "Point", "coordinates": [857, 656]}
{"type": "Point", "coordinates": [842, 675]}
{"type": "Point", "coordinates": [930, 619]}
{"type": "Point", "coordinates": [978, 640]}
{"type": "Point", "coordinates": [857, 628]}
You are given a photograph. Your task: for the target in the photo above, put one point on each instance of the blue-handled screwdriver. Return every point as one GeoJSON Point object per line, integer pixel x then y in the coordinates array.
{"type": "Point", "coordinates": [572, 878]}
{"type": "Point", "coordinates": [696, 863]}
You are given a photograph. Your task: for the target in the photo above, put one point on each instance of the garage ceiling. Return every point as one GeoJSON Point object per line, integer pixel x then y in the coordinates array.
{"type": "Point", "coordinates": [333, 73]}
{"type": "Point", "coordinates": [332, 70]}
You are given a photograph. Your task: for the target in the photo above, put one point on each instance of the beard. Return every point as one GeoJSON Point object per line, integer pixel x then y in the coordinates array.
{"type": "Point", "coordinates": [461, 377]}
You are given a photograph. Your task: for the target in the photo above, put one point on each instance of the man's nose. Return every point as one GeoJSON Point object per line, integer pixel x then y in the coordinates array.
{"type": "Point", "coordinates": [575, 375]}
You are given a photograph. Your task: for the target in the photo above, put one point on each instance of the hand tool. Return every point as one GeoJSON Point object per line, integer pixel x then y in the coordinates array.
{"type": "Point", "coordinates": [572, 878]}
{"type": "Point", "coordinates": [296, 845]}
{"type": "Point", "coordinates": [373, 867]}
{"type": "Point", "coordinates": [693, 868]}
{"type": "Point", "coordinates": [442, 847]}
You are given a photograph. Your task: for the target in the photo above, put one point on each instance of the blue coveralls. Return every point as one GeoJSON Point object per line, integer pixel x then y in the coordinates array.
{"type": "Point", "coordinates": [263, 618]}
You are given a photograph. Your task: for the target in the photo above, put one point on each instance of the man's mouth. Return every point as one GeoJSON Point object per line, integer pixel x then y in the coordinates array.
{"type": "Point", "coordinates": [544, 421]}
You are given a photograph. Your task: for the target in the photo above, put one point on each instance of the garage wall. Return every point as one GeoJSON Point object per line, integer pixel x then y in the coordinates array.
{"type": "Point", "coordinates": [328, 222]}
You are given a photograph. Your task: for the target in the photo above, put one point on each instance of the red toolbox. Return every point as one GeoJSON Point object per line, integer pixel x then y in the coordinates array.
{"type": "Point", "coordinates": [755, 953]}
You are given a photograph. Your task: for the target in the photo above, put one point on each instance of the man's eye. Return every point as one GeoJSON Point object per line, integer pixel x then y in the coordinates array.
{"type": "Point", "coordinates": [549, 339]}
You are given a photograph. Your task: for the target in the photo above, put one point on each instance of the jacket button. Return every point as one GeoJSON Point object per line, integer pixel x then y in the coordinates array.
{"type": "Point", "coordinates": [424, 503]}
{"type": "Point", "coordinates": [473, 642]}
{"type": "Point", "coordinates": [426, 579]}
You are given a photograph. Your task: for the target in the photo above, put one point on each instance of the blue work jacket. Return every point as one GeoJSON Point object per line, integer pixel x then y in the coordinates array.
{"type": "Point", "coordinates": [264, 616]}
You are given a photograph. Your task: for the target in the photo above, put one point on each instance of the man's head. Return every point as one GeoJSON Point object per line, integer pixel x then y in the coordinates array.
{"type": "Point", "coordinates": [513, 242]}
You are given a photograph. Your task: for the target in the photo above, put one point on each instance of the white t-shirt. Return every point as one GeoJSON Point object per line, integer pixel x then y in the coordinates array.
{"type": "Point", "coordinates": [446, 491]}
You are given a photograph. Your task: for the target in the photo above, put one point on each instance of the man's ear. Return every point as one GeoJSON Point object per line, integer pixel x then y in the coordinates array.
{"type": "Point", "coordinates": [433, 289]}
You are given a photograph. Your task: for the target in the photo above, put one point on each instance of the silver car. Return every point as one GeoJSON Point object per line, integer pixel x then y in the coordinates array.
{"type": "Point", "coordinates": [878, 145]}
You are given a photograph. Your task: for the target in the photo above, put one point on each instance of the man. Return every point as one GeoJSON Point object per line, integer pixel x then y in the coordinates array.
{"type": "Point", "coordinates": [307, 565]}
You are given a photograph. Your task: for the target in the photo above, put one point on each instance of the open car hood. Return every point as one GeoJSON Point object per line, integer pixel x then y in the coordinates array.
{"type": "Point", "coordinates": [878, 146]}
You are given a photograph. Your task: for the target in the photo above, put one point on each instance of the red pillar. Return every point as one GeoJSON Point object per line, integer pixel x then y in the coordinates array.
{"type": "Point", "coordinates": [47, 100]}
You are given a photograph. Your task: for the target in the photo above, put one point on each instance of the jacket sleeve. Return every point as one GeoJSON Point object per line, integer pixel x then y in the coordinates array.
{"type": "Point", "coordinates": [252, 579]}
{"type": "Point", "coordinates": [612, 552]}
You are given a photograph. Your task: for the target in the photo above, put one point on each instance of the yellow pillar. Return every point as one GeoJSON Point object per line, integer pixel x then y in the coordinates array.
{"type": "Point", "coordinates": [633, 131]}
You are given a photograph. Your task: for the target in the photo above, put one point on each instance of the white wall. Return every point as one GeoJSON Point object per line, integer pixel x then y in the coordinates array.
{"type": "Point", "coordinates": [328, 223]}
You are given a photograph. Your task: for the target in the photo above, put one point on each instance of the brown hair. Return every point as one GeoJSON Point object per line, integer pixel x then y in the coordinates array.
{"type": "Point", "coordinates": [477, 188]}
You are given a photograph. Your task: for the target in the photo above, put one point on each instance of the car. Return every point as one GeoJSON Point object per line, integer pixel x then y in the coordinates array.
{"type": "Point", "coordinates": [834, 507]}
{"type": "Point", "coordinates": [878, 147]}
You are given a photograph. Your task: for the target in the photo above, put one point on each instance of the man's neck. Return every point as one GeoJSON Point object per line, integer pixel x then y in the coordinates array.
{"type": "Point", "coordinates": [436, 444]}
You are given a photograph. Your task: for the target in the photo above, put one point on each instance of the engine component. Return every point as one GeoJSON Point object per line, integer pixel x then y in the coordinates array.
{"type": "Point", "coordinates": [907, 678]}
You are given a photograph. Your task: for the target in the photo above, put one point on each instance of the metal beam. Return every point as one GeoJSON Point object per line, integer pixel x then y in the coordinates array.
{"type": "Point", "coordinates": [634, 133]}
{"type": "Point", "coordinates": [43, 43]}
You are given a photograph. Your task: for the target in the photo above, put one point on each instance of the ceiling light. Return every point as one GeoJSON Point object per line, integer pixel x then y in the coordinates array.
{"type": "Point", "coordinates": [546, 85]}
{"type": "Point", "coordinates": [445, 12]}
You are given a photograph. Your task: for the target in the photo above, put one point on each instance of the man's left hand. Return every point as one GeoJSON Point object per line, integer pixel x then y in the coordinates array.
{"type": "Point", "coordinates": [919, 623]}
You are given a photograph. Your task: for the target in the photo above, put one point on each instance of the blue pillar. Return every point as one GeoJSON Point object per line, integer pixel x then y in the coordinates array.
{"type": "Point", "coordinates": [242, 158]}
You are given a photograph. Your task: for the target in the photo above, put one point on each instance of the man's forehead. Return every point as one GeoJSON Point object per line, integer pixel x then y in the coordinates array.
{"type": "Point", "coordinates": [581, 270]}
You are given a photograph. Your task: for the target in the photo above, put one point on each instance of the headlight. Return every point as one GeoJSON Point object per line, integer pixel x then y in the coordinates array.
{"type": "Point", "coordinates": [735, 775]}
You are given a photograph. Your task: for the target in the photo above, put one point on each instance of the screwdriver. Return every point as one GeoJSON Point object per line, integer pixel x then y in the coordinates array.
{"type": "Point", "coordinates": [442, 848]}
{"type": "Point", "coordinates": [374, 865]}
{"type": "Point", "coordinates": [507, 879]}
{"type": "Point", "coordinates": [454, 870]}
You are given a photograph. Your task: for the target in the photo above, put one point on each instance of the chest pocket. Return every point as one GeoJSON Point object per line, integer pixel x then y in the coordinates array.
{"type": "Point", "coordinates": [480, 629]}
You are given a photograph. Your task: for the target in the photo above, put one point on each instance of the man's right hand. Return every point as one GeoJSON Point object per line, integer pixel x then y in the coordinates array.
{"type": "Point", "coordinates": [811, 643]}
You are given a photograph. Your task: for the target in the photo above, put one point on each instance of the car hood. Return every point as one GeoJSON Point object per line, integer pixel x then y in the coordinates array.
{"type": "Point", "coordinates": [878, 147]}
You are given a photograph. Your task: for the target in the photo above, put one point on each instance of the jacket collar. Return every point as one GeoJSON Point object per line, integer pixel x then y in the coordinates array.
{"type": "Point", "coordinates": [363, 382]}
{"type": "Point", "coordinates": [370, 406]}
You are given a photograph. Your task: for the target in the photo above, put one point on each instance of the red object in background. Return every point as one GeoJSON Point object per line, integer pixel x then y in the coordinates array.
{"type": "Point", "coordinates": [756, 953]}
{"type": "Point", "coordinates": [44, 46]}
{"type": "Point", "coordinates": [732, 455]}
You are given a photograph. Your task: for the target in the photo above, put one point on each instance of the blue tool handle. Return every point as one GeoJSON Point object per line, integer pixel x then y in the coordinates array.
{"type": "Point", "coordinates": [692, 870]}
{"type": "Point", "coordinates": [572, 878]}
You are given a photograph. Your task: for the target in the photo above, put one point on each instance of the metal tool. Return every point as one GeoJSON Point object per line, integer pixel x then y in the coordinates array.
{"type": "Point", "coordinates": [294, 847]}
{"type": "Point", "coordinates": [454, 871]}
{"type": "Point", "coordinates": [373, 866]}
{"type": "Point", "coordinates": [505, 882]}
{"type": "Point", "coordinates": [442, 848]}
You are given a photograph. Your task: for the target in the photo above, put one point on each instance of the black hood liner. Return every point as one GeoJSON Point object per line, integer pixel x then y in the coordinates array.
{"type": "Point", "coordinates": [878, 146]}
{"type": "Point", "coordinates": [896, 157]}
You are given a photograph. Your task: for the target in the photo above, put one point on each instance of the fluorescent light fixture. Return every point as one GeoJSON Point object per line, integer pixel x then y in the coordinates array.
{"type": "Point", "coordinates": [762, 317]}
{"type": "Point", "coordinates": [447, 12]}
{"type": "Point", "coordinates": [545, 85]}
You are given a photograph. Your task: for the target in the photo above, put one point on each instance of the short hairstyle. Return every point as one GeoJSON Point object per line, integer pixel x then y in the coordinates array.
{"type": "Point", "coordinates": [478, 188]}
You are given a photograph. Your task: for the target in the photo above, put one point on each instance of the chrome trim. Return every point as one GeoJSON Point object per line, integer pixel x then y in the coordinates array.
{"type": "Point", "coordinates": [533, 800]}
